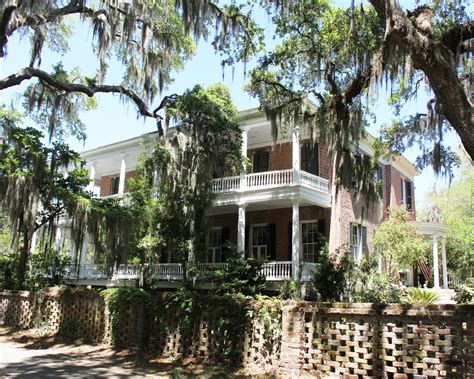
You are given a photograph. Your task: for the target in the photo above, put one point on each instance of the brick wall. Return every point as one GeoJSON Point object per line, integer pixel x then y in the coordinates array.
{"type": "Point", "coordinates": [281, 157]}
{"type": "Point", "coordinates": [281, 217]}
{"type": "Point", "coordinates": [305, 339]}
{"type": "Point", "coordinates": [105, 182]}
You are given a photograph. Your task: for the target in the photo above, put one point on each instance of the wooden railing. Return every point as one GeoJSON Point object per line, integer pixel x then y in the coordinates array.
{"type": "Point", "coordinates": [270, 179]}
{"type": "Point", "coordinates": [272, 271]}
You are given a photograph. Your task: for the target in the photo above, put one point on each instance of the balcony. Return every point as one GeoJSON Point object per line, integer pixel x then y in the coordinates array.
{"type": "Point", "coordinates": [272, 186]}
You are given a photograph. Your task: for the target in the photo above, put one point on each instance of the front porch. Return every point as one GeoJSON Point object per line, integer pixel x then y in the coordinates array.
{"type": "Point", "coordinates": [100, 275]}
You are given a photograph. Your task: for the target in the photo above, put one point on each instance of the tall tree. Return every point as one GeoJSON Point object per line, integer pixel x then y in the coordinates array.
{"type": "Point", "coordinates": [38, 184]}
{"type": "Point", "coordinates": [148, 38]}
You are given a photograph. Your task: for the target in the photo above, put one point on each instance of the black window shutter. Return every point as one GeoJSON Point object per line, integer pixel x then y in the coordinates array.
{"type": "Point", "coordinates": [264, 161]}
{"type": "Point", "coordinates": [403, 198]}
{"type": "Point", "coordinates": [408, 194]}
{"type": "Point", "coordinates": [225, 240]}
{"type": "Point", "coordinates": [255, 162]}
{"type": "Point", "coordinates": [350, 234]}
{"type": "Point", "coordinates": [247, 248]}
{"type": "Point", "coordinates": [163, 256]}
{"type": "Point", "coordinates": [272, 242]}
{"type": "Point", "coordinates": [322, 227]}
{"type": "Point", "coordinates": [290, 241]}
{"type": "Point", "coordinates": [304, 157]}
{"type": "Point", "coordinates": [314, 160]}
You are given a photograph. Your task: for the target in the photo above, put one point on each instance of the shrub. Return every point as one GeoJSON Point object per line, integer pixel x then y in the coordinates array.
{"type": "Point", "coordinates": [372, 286]}
{"type": "Point", "coordinates": [8, 270]}
{"type": "Point", "coordinates": [420, 296]}
{"type": "Point", "coordinates": [464, 294]}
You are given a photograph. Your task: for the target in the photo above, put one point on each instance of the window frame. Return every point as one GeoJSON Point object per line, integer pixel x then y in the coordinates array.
{"type": "Point", "coordinates": [314, 244]}
{"type": "Point", "coordinates": [114, 182]}
{"type": "Point", "coordinates": [257, 159]}
{"type": "Point", "coordinates": [251, 244]}
{"type": "Point", "coordinates": [211, 251]}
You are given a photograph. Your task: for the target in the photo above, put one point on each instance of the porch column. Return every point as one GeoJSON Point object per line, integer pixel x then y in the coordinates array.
{"type": "Point", "coordinates": [123, 167]}
{"type": "Point", "coordinates": [90, 187]}
{"type": "Point", "coordinates": [295, 238]}
{"type": "Point", "coordinates": [57, 239]}
{"type": "Point", "coordinates": [444, 263]}
{"type": "Point", "coordinates": [295, 154]}
{"type": "Point", "coordinates": [34, 239]}
{"type": "Point", "coordinates": [241, 230]}
{"type": "Point", "coordinates": [435, 262]}
{"type": "Point", "coordinates": [84, 251]}
{"type": "Point", "coordinates": [244, 156]}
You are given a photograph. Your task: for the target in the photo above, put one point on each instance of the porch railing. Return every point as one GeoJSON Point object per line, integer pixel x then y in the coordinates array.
{"type": "Point", "coordinates": [272, 271]}
{"type": "Point", "coordinates": [454, 280]}
{"type": "Point", "coordinates": [269, 179]}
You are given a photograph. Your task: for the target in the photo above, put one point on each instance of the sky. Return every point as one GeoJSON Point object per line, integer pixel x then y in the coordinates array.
{"type": "Point", "coordinates": [114, 120]}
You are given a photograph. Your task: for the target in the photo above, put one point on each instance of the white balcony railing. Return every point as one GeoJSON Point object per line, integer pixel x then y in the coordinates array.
{"type": "Point", "coordinates": [126, 272]}
{"type": "Point", "coordinates": [270, 179]}
{"type": "Point", "coordinates": [93, 271]}
{"type": "Point", "coordinates": [276, 271]}
{"type": "Point", "coordinates": [167, 271]}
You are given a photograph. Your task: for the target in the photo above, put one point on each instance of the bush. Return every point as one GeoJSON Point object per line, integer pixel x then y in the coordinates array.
{"type": "Point", "coordinates": [48, 268]}
{"type": "Point", "coordinates": [372, 286]}
{"type": "Point", "coordinates": [8, 270]}
{"type": "Point", "coordinates": [464, 294]}
{"type": "Point", "coordinates": [331, 279]}
{"type": "Point", "coordinates": [420, 296]}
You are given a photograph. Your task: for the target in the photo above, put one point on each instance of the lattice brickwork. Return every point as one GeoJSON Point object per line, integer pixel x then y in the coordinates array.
{"type": "Point", "coordinates": [362, 341]}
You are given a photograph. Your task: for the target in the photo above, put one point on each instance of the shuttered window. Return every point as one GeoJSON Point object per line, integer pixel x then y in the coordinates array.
{"type": "Point", "coordinates": [114, 185]}
{"type": "Point", "coordinates": [310, 158]}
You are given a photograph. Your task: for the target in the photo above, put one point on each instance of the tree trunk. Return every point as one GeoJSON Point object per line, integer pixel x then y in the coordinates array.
{"type": "Point", "coordinates": [437, 61]}
{"type": "Point", "coordinates": [22, 264]}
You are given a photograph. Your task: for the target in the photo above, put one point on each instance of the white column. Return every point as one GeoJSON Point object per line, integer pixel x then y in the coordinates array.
{"type": "Point", "coordinates": [444, 263]}
{"type": "Point", "coordinates": [295, 238]}
{"type": "Point", "coordinates": [243, 183]}
{"type": "Point", "coordinates": [296, 154]}
{"type": "Point", "coordinates": [123, 167]}
{"type": "Point", "coordinates": [57, 239]}
{"type": "Point", "coordinates": [34, 238]}
{"type": "Point", "coordinates": [435, 262]}
{"type": "Point", "coordinates": [91, 178]}
{"type": "Point", "coordinates": [84, 251]}
{"type": "Point", "coordinates": [241, 230]}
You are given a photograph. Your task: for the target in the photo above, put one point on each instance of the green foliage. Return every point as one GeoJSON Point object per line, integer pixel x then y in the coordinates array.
{"type": "Point", "coordinates": [398, 243]}
{"type": "Point", "coordinates": [173, 211]}
{"type": "Point", "coordinates": [118, 301]}
{"type": "Point", "coordinates": [455, 205]}
{"type": "Point", "coordinates": [464, 294]}
{"type": "Point", "coordinates": [419, 296]}
{"type": "Point", "coordinates": [48, 268]}
{"type": "Point", "coordinates": [8, 270]}
{"type": "Point", "coordinates": [369, 285]}
{"type": "Point", "coordinates": [239, 276]}
{"type": "Point", "coordinates": [331, 279]}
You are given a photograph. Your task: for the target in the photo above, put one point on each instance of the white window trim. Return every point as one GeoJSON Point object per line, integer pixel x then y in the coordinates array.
{"type": "Point", "coordinates": [301, 234]}
{"type": "Point", "coordinates": [213, 258]}
{"type": "Point", "coordinates": [250, 247]}
{"type": "Point", "coordinates": [358, 251]}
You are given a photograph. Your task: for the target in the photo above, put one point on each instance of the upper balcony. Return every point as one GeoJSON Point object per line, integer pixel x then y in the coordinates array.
{"type": "Point", "coordinates": [272, 186]}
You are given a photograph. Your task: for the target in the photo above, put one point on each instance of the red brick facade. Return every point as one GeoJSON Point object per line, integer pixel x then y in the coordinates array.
{"type": "Point", "coordinates": [105, 182]}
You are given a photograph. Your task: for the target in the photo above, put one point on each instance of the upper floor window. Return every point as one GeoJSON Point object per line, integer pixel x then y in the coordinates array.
{"type": "Point", "coordinates": [114, 185]}
{"type": "Point", "coordinates": [260, 161]}
{"type": "Point", "coordinates": [358, 240]}
{"type": "Point", "coordinates": [310, 158]}
{"type": "Point", "coordinates": [407, 194]}
{"type": "Point", "coordinates": [380, 182]}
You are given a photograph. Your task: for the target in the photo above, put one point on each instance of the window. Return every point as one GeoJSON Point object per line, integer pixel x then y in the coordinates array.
{"type": "Point", "coordinates": [260, 161]}
{"type": "Point", "coordinates": [260, 240]}
{"type": "Point", "coordinates": [114, 185]}
{"type": "Point", "coordinates": [214, 249]}
{"type": "Point", "coordinates": [358, 240]}
{"type": "Point", "coordinates": [407, 194]}
{"type": "Point", "coordinates": [380, 182]}
{"type": "Point", "coordinates": [310, 158]}
{"type": "Point", "coordinates": [310, 240]}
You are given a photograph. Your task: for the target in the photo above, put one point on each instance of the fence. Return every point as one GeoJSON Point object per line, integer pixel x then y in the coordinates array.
{"type": "Point", "coordinates": [303, 338]}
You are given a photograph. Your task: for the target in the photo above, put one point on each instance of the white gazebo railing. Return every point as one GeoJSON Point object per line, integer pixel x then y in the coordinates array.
{"type": "Point", "coordinates": [270, 179]}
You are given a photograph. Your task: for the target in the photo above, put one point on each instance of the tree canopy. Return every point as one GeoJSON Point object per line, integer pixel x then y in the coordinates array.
{"type": "Point", "coordinates": [147, 38]}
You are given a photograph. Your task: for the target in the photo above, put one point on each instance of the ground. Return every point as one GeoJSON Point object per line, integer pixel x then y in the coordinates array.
{"type": "Point", "coordinates": [35, 354]}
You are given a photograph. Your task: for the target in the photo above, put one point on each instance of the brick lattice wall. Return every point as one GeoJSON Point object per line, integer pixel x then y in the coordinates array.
{"type": "Point", "coordinates": [317, 339]}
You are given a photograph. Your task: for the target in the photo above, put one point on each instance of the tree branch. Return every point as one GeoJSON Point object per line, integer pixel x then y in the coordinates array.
{"type": "Point", "coordinates": [10, 24]}
{"type": "Point", "coordinates": [454, 37]}
{"type": "Point", "coordinates": [30, 72]}
{"type": "Point", "coordinates": [357, 85]}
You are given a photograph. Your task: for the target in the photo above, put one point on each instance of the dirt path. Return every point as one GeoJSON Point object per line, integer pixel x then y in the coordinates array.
{"type": "Point", "coordinates": [25, 354]}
